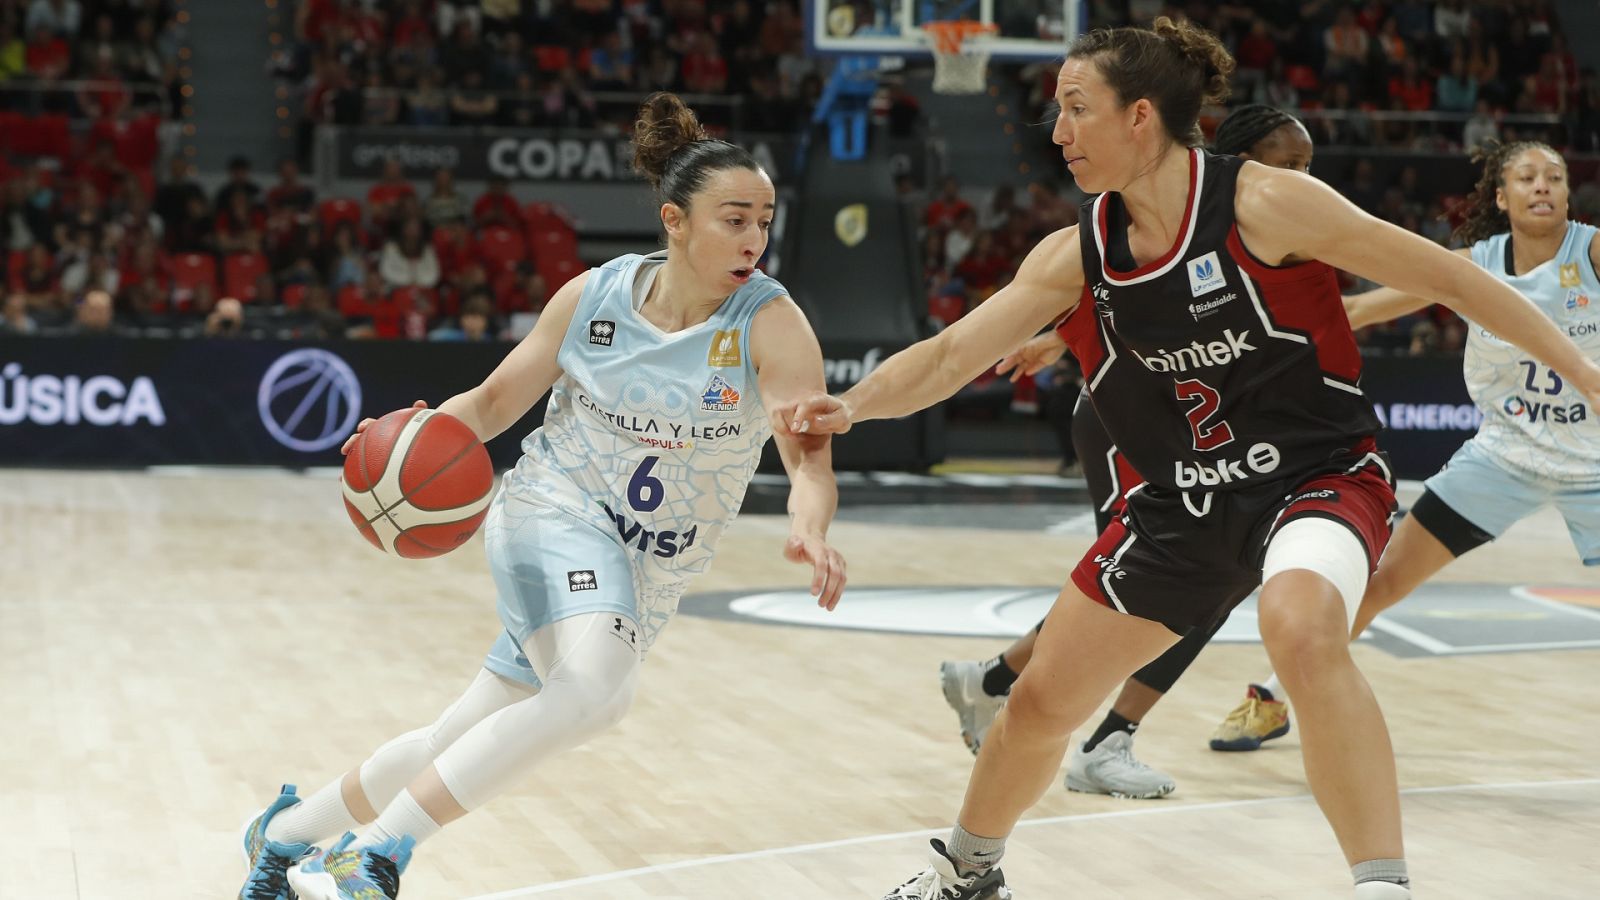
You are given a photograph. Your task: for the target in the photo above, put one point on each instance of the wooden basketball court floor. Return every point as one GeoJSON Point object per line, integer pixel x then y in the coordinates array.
{"type": "Point", "coordinates": [174, 645]}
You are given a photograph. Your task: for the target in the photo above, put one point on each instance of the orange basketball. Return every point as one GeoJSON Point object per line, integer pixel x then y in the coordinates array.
{"type": "Point", "coordinates": [417, 483]}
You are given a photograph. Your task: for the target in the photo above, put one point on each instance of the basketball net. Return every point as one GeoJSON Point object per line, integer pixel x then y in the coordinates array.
{"type": "Point", "coordinates": [960, 64]}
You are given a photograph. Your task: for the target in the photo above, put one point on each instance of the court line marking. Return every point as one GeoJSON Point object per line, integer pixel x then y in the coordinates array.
{"type": "Point", "coordinates": [1026, 823]}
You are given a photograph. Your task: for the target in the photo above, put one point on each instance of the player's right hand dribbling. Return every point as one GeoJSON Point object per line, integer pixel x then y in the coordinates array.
{"type": "Point", "coordinates": [818, 414]}
{"type": "Point", "coordinates": [362, 426]}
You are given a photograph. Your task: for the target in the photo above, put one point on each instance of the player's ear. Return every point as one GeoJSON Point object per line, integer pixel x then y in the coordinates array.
{"type": "Point", "coordinates": [674, 218]}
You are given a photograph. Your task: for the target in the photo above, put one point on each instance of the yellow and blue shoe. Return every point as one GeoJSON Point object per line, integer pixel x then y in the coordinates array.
{"type": "Point", "coordinates": [269, 861]}
{"type": "Point", "coordinates": [344, 873]}
{"type": "Point", "coordinates": [1259, 718]}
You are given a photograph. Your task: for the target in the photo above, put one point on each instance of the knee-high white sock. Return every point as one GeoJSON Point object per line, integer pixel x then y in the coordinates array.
{"type": "Point", "coordinates": [402, 817]}
{"type": "Point", "coordinates": [321, 815]}
{"type": "Point", "coordinates": [588, 685]}
{"type": "Point", "coordinates": [324, 815]}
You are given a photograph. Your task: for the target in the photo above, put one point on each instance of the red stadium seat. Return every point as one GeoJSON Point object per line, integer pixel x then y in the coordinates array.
{"type": "Point", "coordinates": [190, 270]}
{"type": "Point", "coordinates": [947, 308]}
{"type": "Point", "coordinates": [239, 274]}
{"type": "Point", "coordinates": [294, 295]}
{"type": "Point", "coordinates": [336, 211]}
{"type": "Point", "coordinates": [49, 135]}
{"type": "Point", "coordinates": [501, 249]}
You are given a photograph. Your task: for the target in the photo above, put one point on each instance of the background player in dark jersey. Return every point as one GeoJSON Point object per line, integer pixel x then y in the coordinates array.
{"type": "Point", "coordinates": [1202, 303]}
{"type": "Point", "coordinates": [1104, 764]}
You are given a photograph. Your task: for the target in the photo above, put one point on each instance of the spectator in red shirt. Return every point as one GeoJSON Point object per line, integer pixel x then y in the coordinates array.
{"type": "Point", "coordinates": [386, 194]}
{"type": "Point", "coordinates": [1256, 49]}
{"type": "Point", "coordinates": [411, 22]}
{"type": "Point", "coordinates": [496, 206]}
{"type": "Point", "coordinates": [290, 192]}
{"type": "Point", "coordinates": [241, 225]}
{"type": "Point", "coordinates": [1414, 92]}
{"type": "Point", "coordinates": [704, 69]}
{"type": "Point", "coordinates": [983, 265]}
{"type": "Point", "coordinates": [48, 56]}
{"type": "Point", "coordinates": [946, 207]}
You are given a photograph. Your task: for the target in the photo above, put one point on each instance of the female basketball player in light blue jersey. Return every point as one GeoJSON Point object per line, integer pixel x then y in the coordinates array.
{"type": "Point", "coordinates": [1539, 443]}
{"type": "Point", "coordinates": [663, 368]}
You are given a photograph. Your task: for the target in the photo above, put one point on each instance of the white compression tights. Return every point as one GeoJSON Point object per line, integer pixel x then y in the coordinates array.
{"type": "Point", "coordinates": [497, 729]}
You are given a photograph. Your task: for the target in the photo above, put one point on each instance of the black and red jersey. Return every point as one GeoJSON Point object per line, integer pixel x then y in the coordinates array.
{"type": "Point", "coordinates": [1211, 369]}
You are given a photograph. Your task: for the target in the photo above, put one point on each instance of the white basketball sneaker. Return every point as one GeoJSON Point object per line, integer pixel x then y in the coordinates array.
{"type": "Point", "coordinates": [1110, 768]}
{"type": "Point", "coordinates": [1382, 890]}
{"type": "Point", "coordinates": [963, 690]}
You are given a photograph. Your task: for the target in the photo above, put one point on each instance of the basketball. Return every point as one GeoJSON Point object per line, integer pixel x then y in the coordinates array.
{"type": "Point", "coordinates": [417, 483]}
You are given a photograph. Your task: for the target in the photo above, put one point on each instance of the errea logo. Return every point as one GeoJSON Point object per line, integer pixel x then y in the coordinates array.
{"type": "Point", "coordinates": [1205, 274]}
{"type": "Point", "coordinates": [600, 332]}
{"type": "Point", "coordinates": [582, 580]}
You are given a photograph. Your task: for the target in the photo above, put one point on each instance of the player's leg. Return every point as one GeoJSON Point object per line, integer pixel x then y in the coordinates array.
{"type": "Point", "coordinates": [1315, 572]}
{"type": "Point", "coordinates": [1465, 505]}
{"type": "Point", "coordinates": [588, 664]}
{"type": "Point", "coordinates": [1143, 597]}
{"type": "Point", "coordinates": [976, 690]}
{"type": "Point", "coordinates": [354, 799]}
{"type": "Point", "coordinates": [1105, 764]}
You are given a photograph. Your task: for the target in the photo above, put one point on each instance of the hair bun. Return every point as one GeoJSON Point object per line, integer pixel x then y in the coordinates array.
{"type": "Point", "coordinates": [1203, 50]}
{"type": "Point", "coordinates": [665, 125]}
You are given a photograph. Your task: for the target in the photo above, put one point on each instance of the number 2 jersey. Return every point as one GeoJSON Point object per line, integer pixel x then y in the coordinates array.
{"type": "Point", "coordinates": [1532, 421]}
{"type": "Point", "coordinates": [1211, 369]}
{"type": "Point", "coordinates": [650, 436]}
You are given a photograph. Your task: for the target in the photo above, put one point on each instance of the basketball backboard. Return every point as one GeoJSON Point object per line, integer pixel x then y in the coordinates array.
{"type": "Point", "coordinates": [1028, 29]}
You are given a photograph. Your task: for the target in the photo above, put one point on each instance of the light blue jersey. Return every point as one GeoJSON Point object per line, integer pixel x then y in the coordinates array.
{"type": "Point", "coordinates": [1532, 422]}
{"type": "Point", "coordinates": [648, 444]}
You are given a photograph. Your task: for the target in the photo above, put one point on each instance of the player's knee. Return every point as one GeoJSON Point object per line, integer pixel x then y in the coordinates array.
{"type": "Point", "coordinates": [602, 700]}
{"type": "Point", "coordinates": [1038, 712]}
{"type": "Point", "coordinates": [1302, 623]}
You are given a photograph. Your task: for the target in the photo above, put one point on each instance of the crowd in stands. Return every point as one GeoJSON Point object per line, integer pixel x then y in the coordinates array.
{"type": "Point", "coordinates": [1338, 62]}
{"type": "Point", "coordinates": [89, 59]}
{"type": "Point", "coordinates": [546, 64]}
{"type": "Point", "coordinates": [278, 261]}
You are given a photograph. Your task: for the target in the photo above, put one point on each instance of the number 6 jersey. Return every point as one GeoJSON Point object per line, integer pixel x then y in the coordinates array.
{"type": "Point", "coordinates": [649, 436]}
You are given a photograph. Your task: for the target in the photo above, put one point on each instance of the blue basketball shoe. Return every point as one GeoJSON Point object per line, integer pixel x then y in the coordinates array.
{"type": "Point", "coordinates": [343, 873]}
{"type": "Point", "coordinates": [269, 861]}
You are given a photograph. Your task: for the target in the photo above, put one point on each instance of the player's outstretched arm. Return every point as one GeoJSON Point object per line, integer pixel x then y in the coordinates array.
{"type": "Point", "coordinates": [1288, 216]}
{"type": "Point", "coordinates": [1048, 284]}
{"type": "Point", "coordinates": [524, 375]}
{"type": "Point", "coordinates": [1386, 304]}
{"type": "Point", "coordinates": [788, 364]}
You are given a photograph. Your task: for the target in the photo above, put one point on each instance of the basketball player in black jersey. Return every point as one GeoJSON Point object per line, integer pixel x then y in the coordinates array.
{"type": "Point", "coordinates": [1104, 764]}
{"type": "Point", "coordinates": [1201, 299]}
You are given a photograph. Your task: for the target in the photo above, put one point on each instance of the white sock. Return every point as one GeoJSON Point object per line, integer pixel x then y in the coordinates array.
{"type": "Point", "coordinates": [1382, 890]}
{"type": "Point", "coordinates": [402, 817]}
{"type": "Point", "coordinates": [1274, 686]}
{"type": "Point", "coordinates": [319, 816]}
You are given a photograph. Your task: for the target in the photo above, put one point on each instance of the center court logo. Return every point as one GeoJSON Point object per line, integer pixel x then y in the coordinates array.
{"type": "Point", "coordinates": [309, 400]}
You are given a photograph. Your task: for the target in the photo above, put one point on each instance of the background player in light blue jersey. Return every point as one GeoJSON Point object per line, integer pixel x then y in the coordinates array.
{"type": "Point", "coordinates": [661, 370]}
{"type": "Point", "coordinates": [1539, 443]}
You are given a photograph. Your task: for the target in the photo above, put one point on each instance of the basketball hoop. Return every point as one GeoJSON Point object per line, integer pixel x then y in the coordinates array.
{"type": "Point", "coordinates": [960, 64]}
